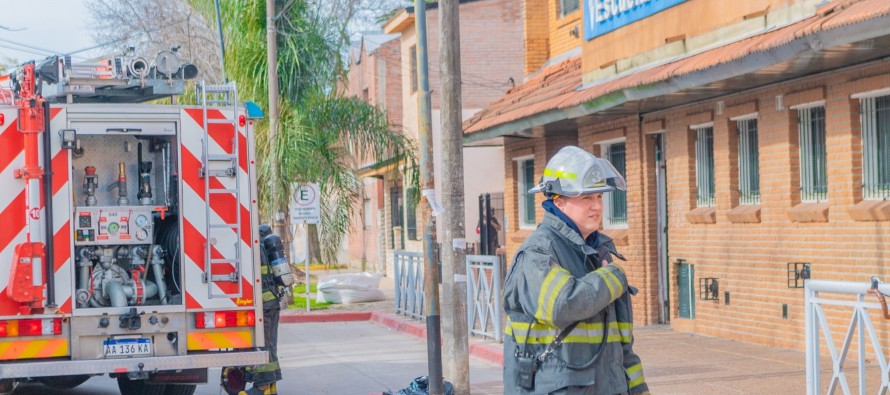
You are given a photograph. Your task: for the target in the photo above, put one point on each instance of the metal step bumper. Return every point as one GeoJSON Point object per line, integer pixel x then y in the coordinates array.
{"type": "Point", "coordinates": [14, 369]}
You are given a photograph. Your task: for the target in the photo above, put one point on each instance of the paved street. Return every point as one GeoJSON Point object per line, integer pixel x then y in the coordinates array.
{"type": "Point", "coordinates": [363, 357]}
{"type": "Point", "coordinates": [334, 358]}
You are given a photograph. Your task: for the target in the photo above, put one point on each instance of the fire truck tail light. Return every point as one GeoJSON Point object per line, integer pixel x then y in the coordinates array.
{"type": "Point", "coordinates": [224, 319]}
{"type": "Point", "coordinates": [31, 327]}
{"type": "Point", "coordinates": [2, 119]}
{"type": "Point", "coordinates": [241, 120]}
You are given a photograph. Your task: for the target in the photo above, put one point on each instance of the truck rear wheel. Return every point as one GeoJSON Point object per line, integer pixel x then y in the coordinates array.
{"type": "Point", "coordinates": [180, 389]}
{"type": "Point", "coordinates": [63, 382]}
{"type": "Point", "coordinates": [138, 387]}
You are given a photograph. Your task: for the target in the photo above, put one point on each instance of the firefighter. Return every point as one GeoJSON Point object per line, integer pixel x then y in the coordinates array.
{"type": "Point", "coordinates": [569, 327]}
{"type": "Point", "coordinates": [265, 376]}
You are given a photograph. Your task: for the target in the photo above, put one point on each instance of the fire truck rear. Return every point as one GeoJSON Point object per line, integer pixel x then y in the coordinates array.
{"type": "Point", "coordinates": [128, 245]}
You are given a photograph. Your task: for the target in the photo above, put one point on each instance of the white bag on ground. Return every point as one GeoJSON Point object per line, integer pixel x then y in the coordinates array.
{"type": "Point", "coordinates": [350, 288]}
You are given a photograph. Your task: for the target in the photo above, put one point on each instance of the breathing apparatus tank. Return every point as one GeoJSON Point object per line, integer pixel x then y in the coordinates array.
{"type": "Point", "coordinates": [274, 250]}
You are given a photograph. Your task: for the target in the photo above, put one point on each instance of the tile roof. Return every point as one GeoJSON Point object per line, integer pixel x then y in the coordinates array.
{"type": "Point", "coordinates": [541, 93]}
{"type": "Point", "coordinates": [556, 87]}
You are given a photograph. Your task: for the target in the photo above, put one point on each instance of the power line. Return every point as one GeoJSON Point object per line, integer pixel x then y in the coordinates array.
{"type": "Point", "coordinates": [147, 32]}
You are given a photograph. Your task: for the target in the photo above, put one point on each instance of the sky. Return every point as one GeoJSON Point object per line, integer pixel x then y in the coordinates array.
{"type": "Point", "coordinates": [59, 26]}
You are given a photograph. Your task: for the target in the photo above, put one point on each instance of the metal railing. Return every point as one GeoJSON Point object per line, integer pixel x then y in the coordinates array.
{"type": "Point", "coordinates": [840, 294]}
{"type": "Point", "coordinates": [813, 173]}
{"type": "Point", "coordinates": [875, 115]}
{"type": "Point", "coordinates": [704, 166]}
{"type": "Point", "coordinates": [484, 279]}
{"type": "Point", "coordinates": [409, 296]}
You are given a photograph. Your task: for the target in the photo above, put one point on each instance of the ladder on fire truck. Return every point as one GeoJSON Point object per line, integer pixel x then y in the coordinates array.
{"type": "Point", "coordinates": [224, 164]}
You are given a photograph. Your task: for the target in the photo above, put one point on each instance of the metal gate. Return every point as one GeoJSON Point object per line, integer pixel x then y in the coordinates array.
{"type": "Point", "coordinates": [409, 295]}
{"type": "Point", "coordinates": [847, 296]}
{"type": "Point", "coordinates": [484, 296]}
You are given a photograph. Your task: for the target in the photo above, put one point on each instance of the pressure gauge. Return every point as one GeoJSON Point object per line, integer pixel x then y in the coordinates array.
{"type": "Point", "coordinates": [141, 234]}
{"type": "Point", "coordinates": [141, 221]}
{"type": "Point", "coordinates": [113, 227]}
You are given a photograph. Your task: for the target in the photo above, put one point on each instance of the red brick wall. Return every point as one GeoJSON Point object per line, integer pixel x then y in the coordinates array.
{"type": "Point", "coordinates": [750, 258]}
{"type": "Point", "coordinates": [389, 73]}
{"type": "Point", "coordinates": [536, 33]}
{"type": "Point", "coordinates": [639, 247]}
{"type": "Point", "coordinates": [491, 51]}
{"type": "Point", "coordinates": [363, 240]}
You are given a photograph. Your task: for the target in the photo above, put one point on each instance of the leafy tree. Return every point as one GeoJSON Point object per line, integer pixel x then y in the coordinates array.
{"type": "Point", "coordinates": [321, 132]}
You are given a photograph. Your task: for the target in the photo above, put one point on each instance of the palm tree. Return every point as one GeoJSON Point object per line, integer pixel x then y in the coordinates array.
{"type": "Point", "coordinates": [320, 130]}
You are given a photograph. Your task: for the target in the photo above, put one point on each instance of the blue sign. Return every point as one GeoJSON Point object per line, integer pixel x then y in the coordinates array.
{"type": "Point", "coordinates": [603, 16]}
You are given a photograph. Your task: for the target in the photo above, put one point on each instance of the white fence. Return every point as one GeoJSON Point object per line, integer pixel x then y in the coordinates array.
{"type": "Point", "coordinates": [484, 296]}
{"type": "Point", "coordinates": [854, 296]}
{"type": "Point", "coordinates": [409, 295]}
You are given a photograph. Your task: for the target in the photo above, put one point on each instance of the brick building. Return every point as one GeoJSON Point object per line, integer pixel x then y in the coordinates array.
{"type": "Point", "coordinates": [376, 77]}
{"type": "Point", "coordinates": [754, 141]}
{"type": "Point", "coordinates": [488, 66]}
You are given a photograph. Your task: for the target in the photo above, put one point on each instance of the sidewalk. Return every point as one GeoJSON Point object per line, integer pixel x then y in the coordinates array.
{"type": "Point", "coordinates": [674, 362]}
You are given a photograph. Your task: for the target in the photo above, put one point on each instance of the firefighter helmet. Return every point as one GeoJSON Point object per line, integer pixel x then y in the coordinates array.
{"type": "Point", "coordinates": [574, 171]}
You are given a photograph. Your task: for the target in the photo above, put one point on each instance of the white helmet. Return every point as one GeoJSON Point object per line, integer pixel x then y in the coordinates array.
{"type": "Point", "coordinates": [574, 171]}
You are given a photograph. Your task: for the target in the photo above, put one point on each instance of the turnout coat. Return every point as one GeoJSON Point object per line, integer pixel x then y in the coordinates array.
{"type": "Point", "coordinates": [557, 279]}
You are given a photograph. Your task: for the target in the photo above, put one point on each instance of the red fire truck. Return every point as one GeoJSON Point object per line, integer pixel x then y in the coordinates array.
{"type": "Point", "coordinates": [129, 242]}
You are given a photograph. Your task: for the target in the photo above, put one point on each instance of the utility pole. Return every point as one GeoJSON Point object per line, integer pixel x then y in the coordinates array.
{"type": "Point", "coordinates": [272, 60]}
{"type": "Point", "coordinates": [428, 184]}
{"type": "Point", "coordinates": [454, 268]}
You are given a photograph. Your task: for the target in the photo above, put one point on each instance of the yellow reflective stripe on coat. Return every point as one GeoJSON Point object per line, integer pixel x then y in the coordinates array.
{"type": "Point", "coordinates": [553, 283]}
{"type": "Point", "coordinates": [608, 284]}
{"type": "Point", "coordinates": [614, 278]}
{"type": "Point", "coordinates": [264, 269]}
{"type": "Point", "coordinates": [559, 174]}
{"type": "Point", "coordinates": [612, 281]}
{"type": "Point", "coordinates": [634, 375]}
{"type": "Point", "coordinates": [268, 296]}
{"type": "Point", "coordinates": [266, 367]}
{"type": "Point", "coordinates": [589, 333]}
{"type": "Point", "coordinates": [626, 330]}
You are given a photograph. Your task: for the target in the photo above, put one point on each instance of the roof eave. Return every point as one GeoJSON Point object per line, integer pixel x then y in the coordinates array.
{"type": "Point", "coordinates": [399, 22]}
{"type": "Point", "coordinates": [750, 63]}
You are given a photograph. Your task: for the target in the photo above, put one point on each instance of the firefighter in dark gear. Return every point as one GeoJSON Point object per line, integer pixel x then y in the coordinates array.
{"type": "Point", "coordinates": [265, 376]}
{"type": "Point", "coordinates": [569, 327]}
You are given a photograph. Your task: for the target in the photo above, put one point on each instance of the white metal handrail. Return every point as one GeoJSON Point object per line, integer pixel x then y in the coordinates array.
{"type": "Point", "coordinates": [484, 296]}
{"type": "Point", "coordinates": [409, 295]}
{"type": "Point", "coordinates": [860, 323]}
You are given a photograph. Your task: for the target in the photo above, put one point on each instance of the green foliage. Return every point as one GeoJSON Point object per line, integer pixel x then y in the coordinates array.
{"type": "Point", "coordinates": [300, 298]}
{"type": "Point", "coordinates": [321, 134]}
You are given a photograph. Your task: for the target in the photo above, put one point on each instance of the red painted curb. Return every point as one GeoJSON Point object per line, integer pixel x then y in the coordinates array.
{"type": "Point", "coordinates": [325, 317]}
{"type": "Point", "coordinates": [487, 352]}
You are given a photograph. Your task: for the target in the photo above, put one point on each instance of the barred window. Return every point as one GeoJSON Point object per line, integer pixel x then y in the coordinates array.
{"type": "Point", "coordinates": [413, 53]}
{"type": "Point", "coordinates": [411, 212]}
{"type": "Point", "coordinates": [526, 180]}
{"type": "Point", "coordinates": [704, 166]}
{"type": "Point", "coordinates": [813, 174]}
{"type": "Point", "coordinates": [616, 201]}
{"type": "Point", "coordinates": [568, 6]}
{"type": "Point", "coordinates": [875, 115]}
{"type": "Point", "coordinates": [749, 162]}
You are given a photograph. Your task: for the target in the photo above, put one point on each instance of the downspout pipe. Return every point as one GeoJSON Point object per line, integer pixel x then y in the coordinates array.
{"type": "Point", "coordinates": [49, 263]}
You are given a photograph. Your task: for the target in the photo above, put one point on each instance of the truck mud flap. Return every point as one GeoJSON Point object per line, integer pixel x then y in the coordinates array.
{"type": "Point", "coordinates": [184, 376]}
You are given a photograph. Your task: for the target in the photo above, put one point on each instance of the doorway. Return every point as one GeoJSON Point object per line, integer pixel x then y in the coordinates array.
{"type": "Point", "coordinates": [664, 311]}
